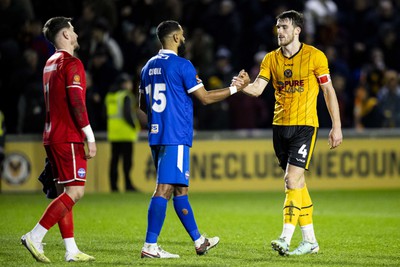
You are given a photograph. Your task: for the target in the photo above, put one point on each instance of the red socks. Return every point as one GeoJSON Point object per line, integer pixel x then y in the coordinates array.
{"type": "Point", "coordinates": [57, 209]}
{"type": "Point", "coordinates": [66, 225]}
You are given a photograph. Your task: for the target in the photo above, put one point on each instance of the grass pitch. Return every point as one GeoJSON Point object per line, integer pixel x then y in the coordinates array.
{"type": "Point", "coordinates": [354, 228]}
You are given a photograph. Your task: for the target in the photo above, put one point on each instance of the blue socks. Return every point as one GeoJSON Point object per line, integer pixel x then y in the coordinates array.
{"type": "Point", "coordinates": [185, 214]}
{"type": "Point", "coordinates": [155, 218]}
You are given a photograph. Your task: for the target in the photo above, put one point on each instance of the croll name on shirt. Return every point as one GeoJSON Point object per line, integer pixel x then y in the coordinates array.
{"type": "Point", "coordinates": [155, 71]}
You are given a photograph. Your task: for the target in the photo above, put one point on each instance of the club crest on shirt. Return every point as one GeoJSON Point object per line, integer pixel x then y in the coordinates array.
{"type": "Point", "coordinates": [81, 172]}
{"type": "Point", "coordinates": [288, 73]}
{"type": "Point", "coordinates": [154, 128]}
{"type": "Point", "coordinates": [77, 79]}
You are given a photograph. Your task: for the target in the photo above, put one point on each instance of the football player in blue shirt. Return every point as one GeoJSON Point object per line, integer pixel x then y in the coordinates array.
{"type": "Point", "coordinates": [168, 82]}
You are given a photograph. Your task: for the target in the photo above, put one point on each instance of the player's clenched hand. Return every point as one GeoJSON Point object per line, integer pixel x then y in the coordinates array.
{"type": "Point", "coordinates": [92, 149]}
{"type": "Point", "coordinates": [241, 80]}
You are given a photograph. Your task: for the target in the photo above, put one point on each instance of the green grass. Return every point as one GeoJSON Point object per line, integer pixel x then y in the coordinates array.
{"type": "Point", "coordinates": [354, 228]}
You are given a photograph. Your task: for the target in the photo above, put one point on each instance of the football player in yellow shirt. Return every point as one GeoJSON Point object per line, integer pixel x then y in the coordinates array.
{"type": "Point", "coordinates": [297, 72]}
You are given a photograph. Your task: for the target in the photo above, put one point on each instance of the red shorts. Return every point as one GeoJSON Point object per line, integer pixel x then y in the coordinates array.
{"type": "Point", "coordinates": [68, 163]}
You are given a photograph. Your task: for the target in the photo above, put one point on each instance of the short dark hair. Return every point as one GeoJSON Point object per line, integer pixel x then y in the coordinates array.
{"type": "Point", "coordinates": [296, 17]}
{"type": "Point", "coordinates": [53, 26]}
{"type": "Point", "coordinates": [165, 28]}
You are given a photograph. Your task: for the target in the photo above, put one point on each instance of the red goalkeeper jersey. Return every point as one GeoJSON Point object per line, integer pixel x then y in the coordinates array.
{"type": "Point", "coordinates": [64, 84]}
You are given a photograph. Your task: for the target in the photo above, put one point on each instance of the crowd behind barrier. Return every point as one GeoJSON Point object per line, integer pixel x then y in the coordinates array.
{"type": "Point", "coordinates": [359, 37]}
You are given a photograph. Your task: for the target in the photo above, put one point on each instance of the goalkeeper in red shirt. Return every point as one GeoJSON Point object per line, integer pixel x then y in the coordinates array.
{"type": "Point", "coordinates": [66, 128]}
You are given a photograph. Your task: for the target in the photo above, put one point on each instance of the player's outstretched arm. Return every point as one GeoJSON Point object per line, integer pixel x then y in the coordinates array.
{"type": "Point", "coordinates": [252, 89]}
{"type": "Point", "coordinates": [209, 97]}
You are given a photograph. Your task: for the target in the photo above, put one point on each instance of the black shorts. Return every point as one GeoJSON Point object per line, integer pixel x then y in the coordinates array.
{"type": "Point", "coordinates": [294, 144]}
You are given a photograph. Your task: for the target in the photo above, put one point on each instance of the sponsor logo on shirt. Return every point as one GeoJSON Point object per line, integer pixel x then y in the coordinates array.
{"type": "Point", "coordinates": [154, 128]}
{"type": "Point", "coordinates": [77, 79]}
{"type": "Point", "coordinates": [292, 86]}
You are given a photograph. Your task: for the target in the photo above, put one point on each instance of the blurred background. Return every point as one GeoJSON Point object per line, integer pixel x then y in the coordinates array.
{"type": "Point", "coordinates": [359, 37]}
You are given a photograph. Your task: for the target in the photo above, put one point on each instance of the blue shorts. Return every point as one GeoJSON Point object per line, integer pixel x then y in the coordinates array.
{"type": "Point", "coordinates": [172, 164]}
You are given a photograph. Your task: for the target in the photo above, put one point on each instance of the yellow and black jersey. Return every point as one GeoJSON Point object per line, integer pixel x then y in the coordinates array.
{"type": "Point", "coordinates": [296, 81]}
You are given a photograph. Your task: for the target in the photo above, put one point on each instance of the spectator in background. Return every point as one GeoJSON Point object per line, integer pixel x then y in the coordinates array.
{"type": "Point", "coordinates": [107, 9]}
{"type": "Point", "coordinates": [101, 37]}
{"type": "Point", "coordinates": [354, 15]}
{"type": "Point", "coordinates": [213, 117]}
{"type": "Point", "coordinates": [103, 75]}
{"type": "Point", "coordinates": [31, 111]}
{"type": "Point", "coordinates": [344, 100]}
{"type": "Point", "coordinates": [320, 21]}
{"type": "Point", "coordinates": [84, 27]}
{"type": "Point", "coordinates": [248, 112]}
{"type": "Point", "coordinates": [229, 30]}
{"type": "Point", "coordinates": [170, 9]}
{"type": "Point", "coordinates": [217, 117]}
{"type": "Point", "coordinates": [383, 15]}
{"type": "Point", "coordinates": [223, 66]}
{"type": "Point", "coordinates": [123, 129]}
{"type": "Point", "coordinates": [344, 103]}
{"type": "Point", "coordinates": [257, 59]}
{"type": "Point", "coordinates": [13, 18]}
{"type": "Point", "coordinates": [94, 103]}
{"type": "Point", "coordinates": [373, 71]}
{"type": "Point", "coordinates": [389, 42]}
{"type": "Point", "coordinates": [389, 99]}
{"type": "Point", "coordinates": [136, 46]}
{"type": "Point", "coordinates": [27, 88]}
{"type": "Point", "coordinates": [264, 28]}
{"type": "Point", "coordinates": [36, 41]}
{"type": "Point", "coordinates": [200, 51]}
{"type": "Point", "coordinates": [366, 111]}
{"type": "Point", "coordinates": [139, 12]}
{"type": "Point", "coordinates": [336, 62]}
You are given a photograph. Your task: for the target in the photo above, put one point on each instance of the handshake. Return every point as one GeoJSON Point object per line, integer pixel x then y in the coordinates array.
{"type": "Point", "coordinates": [240, 81]}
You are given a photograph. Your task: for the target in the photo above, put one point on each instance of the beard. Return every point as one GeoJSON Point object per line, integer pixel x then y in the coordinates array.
{"type": "Point", "coordinates": [286, 41]}
{"type": "Point", "coordinates": [181, 49]}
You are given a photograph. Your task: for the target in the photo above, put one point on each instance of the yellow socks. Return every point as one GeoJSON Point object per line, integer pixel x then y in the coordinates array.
{"type": "Point", "coordinates": [306, 208]}
{"type": "Point", "coordinates": [292, 206]}
{"type": "Point", "coordinates": [291, 213]}
{"type": "Point", "coordinates": [305, 219]}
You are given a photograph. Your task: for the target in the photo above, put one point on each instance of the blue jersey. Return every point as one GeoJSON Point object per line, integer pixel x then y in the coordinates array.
{"type": "Point", "coordinates": [167, 81]}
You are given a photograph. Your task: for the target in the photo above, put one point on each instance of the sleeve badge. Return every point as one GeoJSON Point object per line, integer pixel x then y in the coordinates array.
{"type": "Point", "coordinates": [77, 79]}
